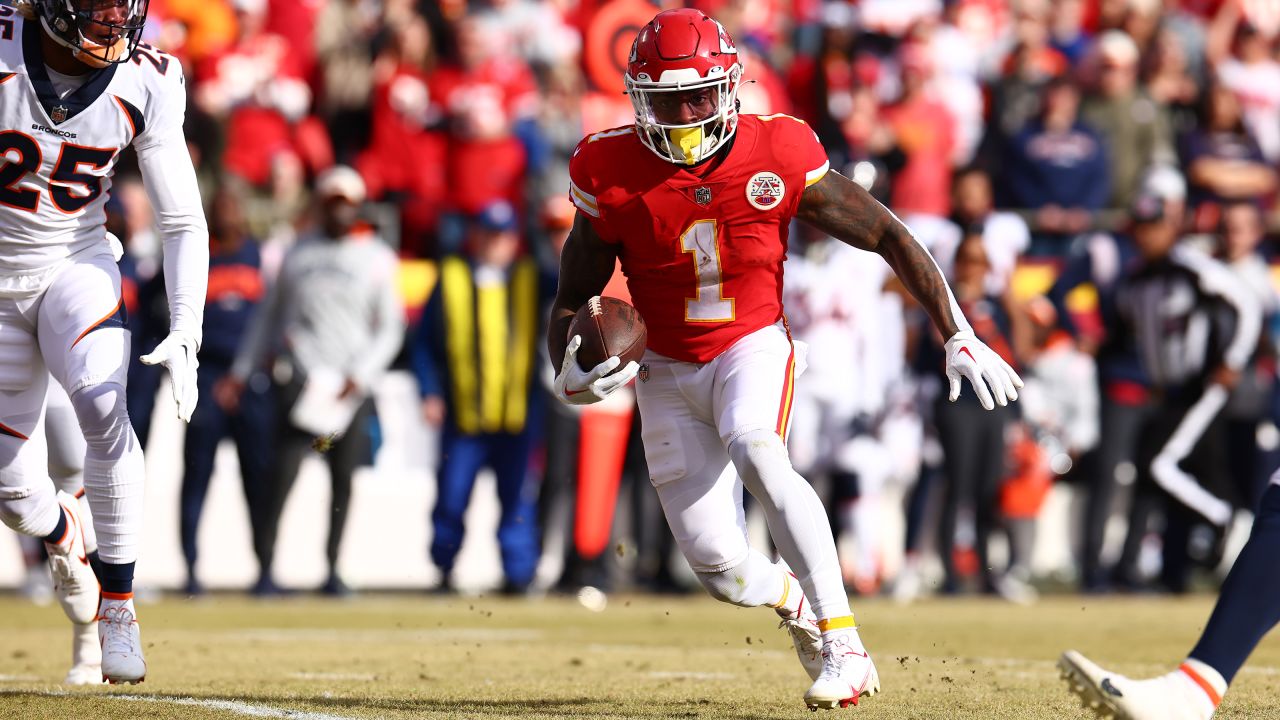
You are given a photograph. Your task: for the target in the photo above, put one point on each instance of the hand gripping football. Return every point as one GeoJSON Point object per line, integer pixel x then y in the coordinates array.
{"type": "Point", "coordinates": [608, 327]}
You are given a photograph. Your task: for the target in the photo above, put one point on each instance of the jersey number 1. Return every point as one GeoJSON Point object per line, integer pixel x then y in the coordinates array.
{"type": "Point", "coordinates": [708, 303]}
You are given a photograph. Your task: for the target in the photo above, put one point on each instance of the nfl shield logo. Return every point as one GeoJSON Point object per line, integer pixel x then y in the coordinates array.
{"type": "Point", "coordinates": [702, 196]}
{"type": "Point", "coordinates": [59, 113]}
{"type": "Point", "coordinates": [644, 373]}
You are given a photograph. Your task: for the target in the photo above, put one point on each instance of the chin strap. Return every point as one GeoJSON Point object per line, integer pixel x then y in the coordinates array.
{"type": "Point", "coordinates": [90, 53]}
{"type": "Point", "coordinates": [100, 56]}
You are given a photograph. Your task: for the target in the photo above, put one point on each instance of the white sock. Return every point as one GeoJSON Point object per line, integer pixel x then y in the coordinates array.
{"type": "Point", "coordinates": [843, 635]}
{"type": "Point", "coordinates": [115, 491]}
{"type": "Point", "coordinates": [1203, 684]}
{"type": "Point", "coordinates": [114, 470]}
{"type": "Point", "coordinates": [792, 596]}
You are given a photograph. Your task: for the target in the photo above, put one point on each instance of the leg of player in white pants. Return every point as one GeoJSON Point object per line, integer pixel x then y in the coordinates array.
{"type": "Point", "coordinates": [701, 496]}
{"type": "Point", "coordinates": [86, 347]}
{"type": "Point", "coordinates": [740, 402]}
{"type": "Point", "coordinates": [66, 450]}
{"type": "Point", "coordinates": [66, 468]}
{"type": "Point", "coordinates": [29, 502]}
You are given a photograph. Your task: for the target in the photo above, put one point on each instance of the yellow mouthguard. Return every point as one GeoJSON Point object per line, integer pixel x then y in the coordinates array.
{"type": "Point", "coordinates": [689, 140]}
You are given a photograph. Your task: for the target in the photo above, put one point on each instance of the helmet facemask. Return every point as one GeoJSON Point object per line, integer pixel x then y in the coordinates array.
{"type": "Point", "coordinates": [689, 143]}
{"type": "Point", "coordinates": [77, 25]}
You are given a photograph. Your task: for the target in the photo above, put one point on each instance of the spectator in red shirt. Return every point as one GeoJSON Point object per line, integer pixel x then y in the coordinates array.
{"type": "Point", "coordinates": [405, 159]}
{"type": "Point", "coordinates": [926, 133]}
{"type": "Point", "coordinates": [295, 21]}
{"type": "Point", "coordinates": [489, 100]}
{"type": "Point", "coordinates": [257, 85]}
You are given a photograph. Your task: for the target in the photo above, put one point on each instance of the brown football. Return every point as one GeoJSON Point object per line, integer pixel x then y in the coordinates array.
{"type": "Point", "coordinates": [608, 327]}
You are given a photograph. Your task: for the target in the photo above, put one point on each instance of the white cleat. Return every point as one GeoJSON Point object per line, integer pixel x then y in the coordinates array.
{"type": "Point", "coordinates": [73, 580]}
{"type": "Point", "coordinates": [121, 643]}
{"type": "Point", "coordinates": [847, 675]}
{"type": "Point", "coordinates": [1115, 697]}
{"type": "Point", "coordinates": [86, 656]}
{"type": "Point", "coordinates": [806, 637]}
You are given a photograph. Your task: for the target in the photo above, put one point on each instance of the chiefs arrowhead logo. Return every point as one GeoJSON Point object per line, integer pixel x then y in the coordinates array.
{"type": "Point", "coordinates": [765, 190]}
{"type": "Point", "coordinates": [726, 43]}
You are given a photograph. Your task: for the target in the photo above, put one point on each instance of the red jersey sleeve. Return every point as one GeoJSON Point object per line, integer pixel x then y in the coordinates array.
{"type": "Point", "coordinates": [585, 185]}
{"type": "Point", "coordinates": [797, 145]}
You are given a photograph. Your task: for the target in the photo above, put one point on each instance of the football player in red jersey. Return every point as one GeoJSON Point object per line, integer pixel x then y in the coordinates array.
{"type": "Point", "coordinates": [695, 201]}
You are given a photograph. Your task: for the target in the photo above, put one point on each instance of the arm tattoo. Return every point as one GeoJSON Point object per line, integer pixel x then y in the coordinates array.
{"type": "Point", "coordinates": [842, 209]}
{"type": "Point", "coordinates": [586, 264]}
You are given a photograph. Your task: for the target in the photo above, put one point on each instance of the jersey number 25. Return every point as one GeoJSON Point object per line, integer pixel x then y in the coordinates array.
{"type": "Point", "coordinates": [22, 156]}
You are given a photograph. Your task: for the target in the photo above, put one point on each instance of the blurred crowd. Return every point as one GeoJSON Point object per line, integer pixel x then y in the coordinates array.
{"type": "Point", "coordinates": [1035, 147]}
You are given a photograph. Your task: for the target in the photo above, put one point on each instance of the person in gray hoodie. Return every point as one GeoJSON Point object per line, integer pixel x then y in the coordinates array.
{"type": "Point", "coordinates": [331, 325]}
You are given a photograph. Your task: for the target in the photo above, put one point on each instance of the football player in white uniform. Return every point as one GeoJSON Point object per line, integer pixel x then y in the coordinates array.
{"type": "Point", "coordinates": [76, 88]}
{"type": "Point", "coordinates": [66, 469]}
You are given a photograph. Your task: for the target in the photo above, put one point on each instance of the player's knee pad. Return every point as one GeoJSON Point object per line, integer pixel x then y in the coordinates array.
{"type": "Point", "coordinates": [762, 462]}
{"type": "Point", "coordinates": [725, 586]}
{"type": "Point", "coordinates": [30, 510]}
{"type": "Point", "coordinates": [750, 583]}
{"type": "Point", "coordinates": [714, 550]}
{"type": "Point", "coordinates": [104, 419]}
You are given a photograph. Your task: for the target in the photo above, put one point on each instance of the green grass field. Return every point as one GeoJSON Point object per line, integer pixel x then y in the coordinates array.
{"type": "Point", "coordinates": [643, 657]}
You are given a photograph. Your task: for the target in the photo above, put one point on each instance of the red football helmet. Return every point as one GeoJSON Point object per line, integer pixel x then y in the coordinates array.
{"type": "Point", "coordinates": [679, 53]}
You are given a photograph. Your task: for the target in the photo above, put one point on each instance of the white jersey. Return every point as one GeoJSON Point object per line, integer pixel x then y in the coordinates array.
{"type": "Point", "coordinates": [835, 301]}
{"type": "Point", "coordinates": [57, 155]}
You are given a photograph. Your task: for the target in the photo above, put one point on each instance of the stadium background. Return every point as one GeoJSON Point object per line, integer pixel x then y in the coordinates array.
{"type": "Point", "coordinates": [282, 89]}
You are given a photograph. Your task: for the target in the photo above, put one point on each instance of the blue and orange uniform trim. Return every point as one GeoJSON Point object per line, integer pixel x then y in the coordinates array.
{"type": "Point", "coordinates": [117, 318]}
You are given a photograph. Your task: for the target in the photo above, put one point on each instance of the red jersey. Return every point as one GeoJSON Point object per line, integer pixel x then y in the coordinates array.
{"type": "Point", "coordinates": [702, 255]}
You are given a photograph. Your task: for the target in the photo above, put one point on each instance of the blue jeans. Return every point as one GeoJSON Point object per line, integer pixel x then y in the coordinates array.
{"type": "Point", "coordinates": [507, 454]}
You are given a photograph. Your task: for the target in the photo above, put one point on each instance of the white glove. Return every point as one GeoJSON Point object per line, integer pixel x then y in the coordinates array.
{"type": "Point", "coordinates": [574, 386]}
{"type": "Point", "coordinates": [970, 357]}
{"type": "Point", "coordinates": [178, 354]}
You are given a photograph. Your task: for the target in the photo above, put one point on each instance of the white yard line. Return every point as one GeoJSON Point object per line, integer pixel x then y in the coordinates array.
{"type": "Point", "coordinates": [235, 707]}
